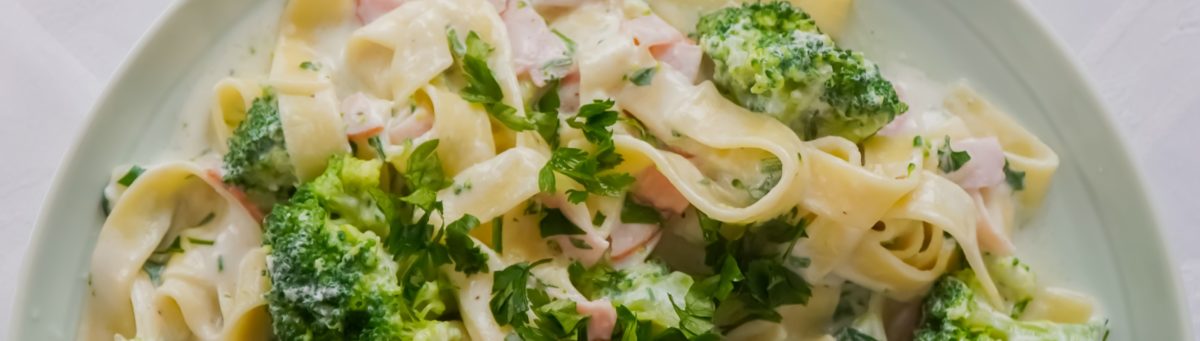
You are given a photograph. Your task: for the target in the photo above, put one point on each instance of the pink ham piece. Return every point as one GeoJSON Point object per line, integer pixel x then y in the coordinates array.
{"type": "Point", "coordinates": [627, 239]}
{"type": "Point", "coordinates": [602, 317]}
{"type": "Point", "coordinates": [650, 31]}
{"type": "Point", "coordinates": [666, 43]}
{"type": "Point", "coordinates": [654, 188]}
{"type": "Point", "coordinates": [683, 56]}
{"type": "Point", "coordinates": [364, 115]}
{"type": "Point", "coordinates": [408, 127]}
{"type": "Point", "coordinates": [536, 50]}
{"type": "Point", "coordinates": [986, 167]}
{"type": "Point", "coordinates": [578, 214]}
{"type": "Point", "coordinates": [369, 10]}
{"type": "Point", "coordinates": [568, 93]}
{"type": "Point", "coordinates": [988, 230]}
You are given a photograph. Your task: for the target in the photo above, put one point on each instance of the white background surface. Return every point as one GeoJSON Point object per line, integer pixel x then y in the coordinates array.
{"type": "Point", "coordinates": [1141, 56]}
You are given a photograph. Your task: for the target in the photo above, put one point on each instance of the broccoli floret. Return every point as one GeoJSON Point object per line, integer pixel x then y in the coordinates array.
{"type": "Point", "coordinates": [1015, 281]}
{"type": "Point", "coordinates": [258, 160]}
{"type": "Point", "coordinates": [771, 58]}
{"type": "Point", "coordinates": [954, 311]}
{"type": "Point", "coordinates": [350, 191]}
{"type": "Point", "coordinates": [330, 276]}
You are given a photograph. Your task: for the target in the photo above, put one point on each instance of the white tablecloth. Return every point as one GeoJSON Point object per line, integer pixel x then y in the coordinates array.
{"type": "Point", "coordinates": [57, 55]}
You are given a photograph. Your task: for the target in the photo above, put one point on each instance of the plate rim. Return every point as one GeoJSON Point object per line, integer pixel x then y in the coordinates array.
{"type": "Point", "coordinates": [1142, 195]}
{"type": "Point", "coordinates": [38, 238]}
{"type": "Point", "coordinates": [1071, 68]}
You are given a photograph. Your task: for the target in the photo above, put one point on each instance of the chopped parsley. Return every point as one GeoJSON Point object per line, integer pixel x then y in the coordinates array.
{"type": "Point", "coordinates": [595, 120]}
{"type": "Point", "coordinates": [510, 293]}
{"type": "Point", "coordinates": [752, 274]}
{"type": "Point", "coordinates": [851, 334]}
{"type": "Point", "coordinates": [581, 167]}
{"type": "Point", "coordinates": [468, 257]}
{"type": "Point", "coordinates": [634, 213]}
{"type": "Point", "coordinates": [643, 77]}
{"type": "Point", "coordinates": [482, 88]}
{"type": "Point", "coordinates": [377, 144]}
{"type": "Point", "coordinates": [105, 205]}
{"type": "Point", "coordinates": [132, 174]}
{"type": "Point", "coordinates": [174, 247]}
{"type": "Point", "coordinates": [950, 160]}
{"type": "Point", "coordinates": [154, 270]}
{"type": "Point", "coordinates": [310, 66]}
{"type": "Point", "coordinates": [554, 223]}
{"type": "Point", "coordinates": [220, 263]}
{"type": "Point", "coordinates": [463, 187]}
{"type": "Point", "coordinates": [207, 219]}
{"type": "Point", "coordinates": [424, 175]}
{"type": "Point", "coordinates": [544, 113]}
{"type": "Point", "coordinates": [498, 234]}
{"type": "Point", "coordinates": [199, 241]}
{"type": "Point", "coordinates": [1015, 179]}
{"type": "Point", "coordinates": [599, 219]}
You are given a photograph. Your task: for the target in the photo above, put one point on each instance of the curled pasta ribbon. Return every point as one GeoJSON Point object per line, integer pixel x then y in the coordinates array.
{"type": "Point", "coordinates": [902, 260]}
{"type": "Point", "coordinates": [213, 290]}
{"type": "Point", "coordinates": [232, 98]}
{"type": "Point", "coordinates": [697, 120]}
{"type": "Point", "coordinates": [847, 200]}
{"type": "Point", "coordinates": [943, 206]}
{"type": "Point", "coordinates": [1024, 151]}
{"type": "Point", "coordinates": [402, 51]}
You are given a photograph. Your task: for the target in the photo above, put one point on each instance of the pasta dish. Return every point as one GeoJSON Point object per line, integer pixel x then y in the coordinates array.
{"type": "Point", "coordinates": [581, 170]}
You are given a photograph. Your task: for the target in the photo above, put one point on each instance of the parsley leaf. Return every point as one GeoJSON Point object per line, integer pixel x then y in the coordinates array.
{"type": "Point", "coordinates": [545, 114]}
{"type": "Point", "coordinates": [310, 66]}
{"type": "Point", "coordinates": [498, 234]}
{"type": "Point", "coordinates": [424, 168]}
{"type": "Point", "coordinates": [851, 334]}
{"type": "Point", "coordinates": [599, 218]}
{"type": "Point", "coordinates": [634, 213]}
{"type": "Point", "coordinates": [482, 87]}
{"type": "Point", "coordinates": [577, 165]}
{"type": "Point", "coordinates": [950, 160]}
{"type": "Point", "coordinates": [467, 256]}
{"type": "Point", "coordinates": [557, 224]}
{"type": "Point", "coordinates": [1015, 179]}
{"type": "Point", "coordinates": [198, 241]}
{"type": "Point", "coordinates": [595, 119]}
{"type": "Point", "coordinates": [134, 172]}
{"type": "Point", "coordinates": [752, 274]}
{"type": "Point", "coordinates": [643, 77]}
{"type": "Point", "coordinates": [510, 294]}
{"type": "Point", "coordinates": [207, 219]}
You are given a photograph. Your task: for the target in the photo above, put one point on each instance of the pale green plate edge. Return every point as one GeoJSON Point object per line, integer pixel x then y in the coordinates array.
{"type": "Point", "coordinates": [75, 188]}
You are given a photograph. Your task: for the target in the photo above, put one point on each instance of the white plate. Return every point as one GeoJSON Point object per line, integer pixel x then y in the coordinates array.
{"type": "Point", "coordinates": [1096, 232]}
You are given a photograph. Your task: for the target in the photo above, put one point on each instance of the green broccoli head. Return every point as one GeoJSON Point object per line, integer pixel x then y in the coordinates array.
{"type": "Point", "coordinates": [349, 189]}
{"type": "Point", "coordinates": [258, 160]}
{"type": "Point", "coordinates": [1015, 281]}
{"type": "Point", "coordinates": [771, 58]}
{"type": "Point", "coordinates": [954, 311]}
{"type": "Point", "coordinates": [331, 278]}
